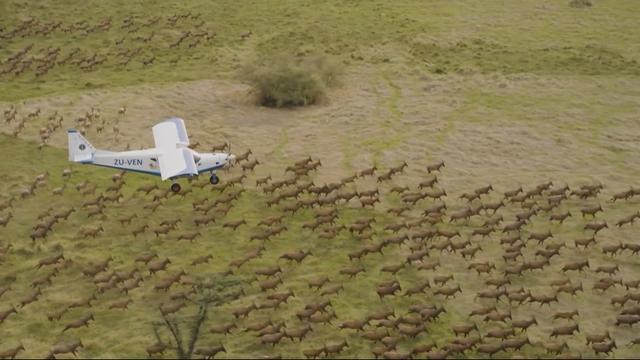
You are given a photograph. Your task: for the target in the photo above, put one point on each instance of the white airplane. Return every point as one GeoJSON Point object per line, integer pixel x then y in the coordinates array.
{"type": "Point", "coordinates": [170, 159]}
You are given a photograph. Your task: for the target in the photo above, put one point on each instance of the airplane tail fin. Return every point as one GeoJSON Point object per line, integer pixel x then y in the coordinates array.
{"type": "Point", "coordinates": [80, 150]}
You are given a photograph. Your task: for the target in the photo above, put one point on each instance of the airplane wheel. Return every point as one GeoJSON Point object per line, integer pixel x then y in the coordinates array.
{"type": "Point", "coordinates": [214, 179]}
{"type": "Point", "coordinates": [175, 187]}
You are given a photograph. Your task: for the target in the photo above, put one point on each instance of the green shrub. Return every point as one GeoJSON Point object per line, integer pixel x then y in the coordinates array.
{"type": "Point", "coordinates": [284, 81]}
{"type": "Point", "coordinates": [580, 3]}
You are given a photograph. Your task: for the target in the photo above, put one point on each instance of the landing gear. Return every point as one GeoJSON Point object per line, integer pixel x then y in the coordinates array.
{"type": "Point", "coordinates": [214, 179]}
{"type": "Point", "coordinates": [175, 187]}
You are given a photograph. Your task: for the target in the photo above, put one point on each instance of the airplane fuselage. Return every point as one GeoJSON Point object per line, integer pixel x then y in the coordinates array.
{"type": "Point", "coordinates": [146, 161]}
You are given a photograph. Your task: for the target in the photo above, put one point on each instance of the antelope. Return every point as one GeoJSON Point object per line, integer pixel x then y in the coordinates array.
{"type": "Point", "coordinates": [11, 353]}
{"type": "Point", "coordinates": [622, 195]}
{"type": "Point", "coordinates": [5, 313]}
{"type": "Point", "coordinates": [435, 167]}
{"type": "Point", "coordinates": [585, 241]}
{"type": "Point", "coordinates": [352, 271]}
{"type": "Point", "coordinates": [565, 330]}
{"type": "Point", "coordinates": [560, 217]}
{"type": "Point", "coordinates": [463, 329]}
{"type": "Point", "coordinates": [222, 328]}
{"type": "Point", "coordinates": [513, 226]}
{"type": "Point", "coordinates": [490, 349]}
{"type": "Point", "coordinates": [512, 193]}
{"type": "Point", "coordinates": [335, 289]}
{"type": "Point", "coordinates": [541, 237]}
{"type": "Point", "coordinates": [398, 169]}
{"type": "Point", "coordinates": [369, 201]}
{"type": "Point", "coordinates": [484, 231]}
{"type": "Point", "coordinates": [500, 333]}
{"type": "Point", "coordinates": [70, 346]}
{"type": "Point", "coordinates": [243, 311]}
{"type": "Point", "coordinates": [234, 224]}
{"type": "Point", "coordinates": [482, 311]}
{"type": "Point", "coordinates": [82, 321]}
{"type": "Point", "coordinates": [335, 348]}
{"type": "Point", "coordinates": [604, 347]}
{"type": "Point", "coordinates": [579, 266]}
{"type": "Point", "coordinates": [524, 324]}
{"type": "Point", "coordinates": [592, 210]}
{"type": "Point", "coordinates": [516, 343]}
{"type": "Point", "coordinates": [367, 172]}
{"type": "Point", "coordinates": [388, 290]}
{"type": "Point", "coordinates": [448, 291]}
{"type": "Point", "coordinates": [298, 255]}
{"type": "Point", "coordinates": [612, 249]}
{"type": "Point", "coordinates": [263, 181]}
{"type": "Point", "coordinates": [483, 190]}
{"type": "Point", "coordinates": [313, 353]}
{"type": "Point", "coordinates": [628, 219]}
{"type": "Point", "coordinates": [158, 265]}
{"type": "Point", "coordinates": [139, 230]}
{"type": "Point", "coordinates": [204, 220]}
{"type": "Point", "coordinates": [449, 234]}
{"type": "Point", "coordinates": [244, 156]}
{"type": "Point", "coordinates": [385, 177]}
{"type": "Point", "coordinates": [156, 349]}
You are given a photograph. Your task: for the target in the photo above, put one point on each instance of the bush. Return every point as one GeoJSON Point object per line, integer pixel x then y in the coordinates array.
{"type": "Point", "coordinates": [580, 3]}
{"type": "Point", "coordinates": [283, 81]}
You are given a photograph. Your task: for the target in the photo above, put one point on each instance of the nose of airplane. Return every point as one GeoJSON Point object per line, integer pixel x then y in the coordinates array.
{"type": "Point", "coordinates": [231, 158]}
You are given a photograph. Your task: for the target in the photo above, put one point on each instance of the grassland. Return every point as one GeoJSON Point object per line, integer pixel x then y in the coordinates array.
{"type": "Point", "coordinates": [505, 92]}
{"type": "Point", "coordinates": [438, 36]}
{"type": "Point", "coordinates": [357, 300]}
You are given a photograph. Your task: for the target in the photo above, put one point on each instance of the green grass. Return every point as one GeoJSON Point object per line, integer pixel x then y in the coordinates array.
{"type": "Point", "coordinates": [546, 37]}
{"type": "Point", "coordinates": [541, 67]}
{"type": "Point", "coordinates": [133, 326]}
{"type": "Point", "coordinates": [481, 56]}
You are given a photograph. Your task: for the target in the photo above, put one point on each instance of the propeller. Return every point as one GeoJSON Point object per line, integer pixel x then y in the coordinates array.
{"type": "Point", "coordinates": [232, 158]}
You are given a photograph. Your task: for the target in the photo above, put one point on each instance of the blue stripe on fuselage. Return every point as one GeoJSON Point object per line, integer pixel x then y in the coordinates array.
{"type": "Point", "coordinates": [156, 173]}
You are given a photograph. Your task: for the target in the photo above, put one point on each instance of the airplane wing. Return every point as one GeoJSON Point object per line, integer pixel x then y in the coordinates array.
{"type": "Point", "coordinates": [171, 140]}
{"type": "Point", "coordinates": [170, 134]}
{"type": "Point", "coordinates": [177, 162]}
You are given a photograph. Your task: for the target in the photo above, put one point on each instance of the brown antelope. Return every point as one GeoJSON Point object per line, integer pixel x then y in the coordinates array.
{"type": "Point", "coordinates": [398, 169]}
{"type": "Point", "coordinates": [158, 265]}
{"type": "Point", "coordinates": [385, 177]}
{"type": "Point", "coordinates": [209, 352]}
{"type": "Point", "coordinates": [189, 236]}
{"type": "Point", "coordinates": [234, 224]}
{"type": "Point", "coordinates": [369, 201]}
{"type": "Point", "coordinates": [623, 195]}
{"type": "Point", "coordinates": [244, 156]}
{"type": "Point", "coordinates": [263, 181]}
{"type": "Point", "coordinates": [367, 172]}
{"type": "Point", "coordinates": [65, 347]}
{"type": "Point", "coordinates": [436, 166]}
{"type": "Point", "coordinates": [591, 210]}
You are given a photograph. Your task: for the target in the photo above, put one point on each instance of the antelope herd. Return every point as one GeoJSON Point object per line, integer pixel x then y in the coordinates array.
{"type": "Point", "coordinates": [137, 38]}
{"type": "Point", "coordinates": [92, 120]}
{"type": "Point", "coordinates": [369, 265]}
